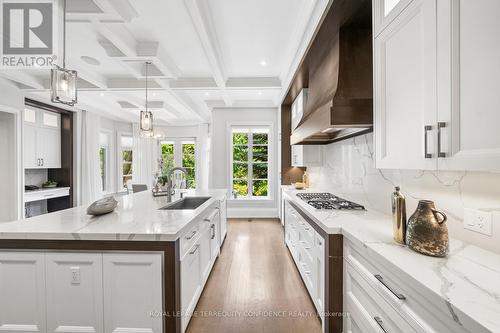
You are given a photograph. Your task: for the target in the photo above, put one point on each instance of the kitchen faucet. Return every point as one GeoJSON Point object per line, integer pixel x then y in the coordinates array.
{"type": "Point", "coordinates": [169, 181]}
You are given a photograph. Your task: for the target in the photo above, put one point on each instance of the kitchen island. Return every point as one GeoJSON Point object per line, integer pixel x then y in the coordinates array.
{"type": "Point", "coordinates": [140, 268]}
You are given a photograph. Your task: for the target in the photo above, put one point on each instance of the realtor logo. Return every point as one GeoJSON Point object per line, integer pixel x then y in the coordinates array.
{"type": "Point", "coordinates": [28, 34]}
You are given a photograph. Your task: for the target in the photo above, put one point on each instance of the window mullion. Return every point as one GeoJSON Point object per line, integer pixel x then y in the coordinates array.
{"type": "Point", "coordinates": [250, 164]}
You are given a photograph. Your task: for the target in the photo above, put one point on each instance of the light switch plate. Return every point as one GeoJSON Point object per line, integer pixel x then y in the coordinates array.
{"type": "Point", "coordinates": [478, 220]}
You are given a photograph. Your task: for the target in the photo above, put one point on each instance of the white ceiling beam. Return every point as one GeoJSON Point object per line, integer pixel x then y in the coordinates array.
{"type": "Point", "coordinates": [160, 57]}
{"type": "Point", "coordinates": [204, 27]}
{"type": "Point", "coordinates": [253, 82]}
{"type": "Point", "coordinates": [23, 78]}
{"type": "Point", "coordinates": [192, 83]}
{"type": "Point", "coordinates": [118, 36]}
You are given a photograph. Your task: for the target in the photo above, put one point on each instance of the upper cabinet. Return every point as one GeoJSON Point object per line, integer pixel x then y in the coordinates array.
{"type": "Point", "coordinates": [436, 64]}
{"type": "Point", "coordinates": [42, 139]}
{"type": "Point", "coordinates": [385, 11]}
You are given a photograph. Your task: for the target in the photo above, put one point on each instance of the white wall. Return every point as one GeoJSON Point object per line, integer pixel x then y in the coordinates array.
{"type": "Point", "coordinates": [11, 107]}
{"type": "Point", "coordinates": [219, 157]}
{"type": "Point", "coordinates": [8, 202]}
{"type": "Point", "coordinates": [349, 171]}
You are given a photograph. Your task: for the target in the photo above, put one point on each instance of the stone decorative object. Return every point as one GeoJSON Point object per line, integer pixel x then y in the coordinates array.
{"type": "Point", "coordinates": [102, 206]}
{"type": "Point", "coordinates": [427, 231]}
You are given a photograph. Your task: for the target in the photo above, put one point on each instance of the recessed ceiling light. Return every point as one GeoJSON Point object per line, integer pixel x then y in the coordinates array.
{"type": "Point", "coordinates": [259, 93]}
{"type": "Point", "coordinates": [207, 94]}
{"type": "Point", "coordinates": [101, 94]}
{"type": "Point", "coordinates": [90, 60]}
{"type": "Point", "coordinates": [263, 62]}
{"type": "Point", "coordinates": [154, 94]}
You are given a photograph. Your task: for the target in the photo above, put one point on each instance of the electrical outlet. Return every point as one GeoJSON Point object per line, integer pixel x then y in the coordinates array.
{"type": "Point", "coordinates": [478, 220]}
{"type": "Point", "coordinates": [75, 275]}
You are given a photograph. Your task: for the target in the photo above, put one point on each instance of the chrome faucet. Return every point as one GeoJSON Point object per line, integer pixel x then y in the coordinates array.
{"type": "Point", "coordinates": [169, 181]}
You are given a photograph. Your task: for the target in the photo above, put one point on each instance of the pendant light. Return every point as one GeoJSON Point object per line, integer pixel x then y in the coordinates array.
{"type": "Point", "coordinates": [147, 116]}
{"type": "Point", "coordinates": [63, 81]}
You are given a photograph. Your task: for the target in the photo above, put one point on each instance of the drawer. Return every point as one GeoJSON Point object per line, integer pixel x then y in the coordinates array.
{"type": "Point", "coordinates": [423, 310]}
{"type": "Point", "coordinates": [306, 268]}
{"type": "Point", "coordinates": [189, 238]}
{"type": "Point", "coordinates": [368, 308]}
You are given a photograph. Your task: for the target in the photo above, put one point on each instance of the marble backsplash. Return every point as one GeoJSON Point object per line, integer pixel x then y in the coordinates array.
{"type": "Point", "coordinates": [349, 170]}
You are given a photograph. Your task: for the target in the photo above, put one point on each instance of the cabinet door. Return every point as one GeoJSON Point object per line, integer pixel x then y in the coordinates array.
{"type": "Point", "coordinates": [31, 159]}
{"type": "Point", "coordinates": [319, 299]}
{"type": "Point", "coordinates": [223, 220]}
{"type": "Point", "coordinates": [74, 292]}
{"type": "Point", "coordinates": [214, 238]}
{"type": "Point", "coordinates": [469, 73]}
{"type": "Point", "coordinates": [405, 89]}
{"type": "Point", "coordinates": [22, 292]}
{"type": "Point", "coordinates": [190, 283]}
{"type": "Point", "coordinates": [49, 149]}
{"type": "Point", "coordinates": [297, 156]}
{"type": "Point", "coordinates": [132, 290]}
{"type": "Point", "coordinates": [205, 236]}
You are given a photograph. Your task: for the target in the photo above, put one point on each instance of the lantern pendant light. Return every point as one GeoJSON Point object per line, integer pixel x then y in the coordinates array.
{"type": "Point", "coordinates": [63, 81]}
{"type": "Point", "coordinates": [147, 116]}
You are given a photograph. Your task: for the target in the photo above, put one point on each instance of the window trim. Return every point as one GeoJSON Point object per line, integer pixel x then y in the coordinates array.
{"type": "Point", "coordinates": [108, 173]}
{"type": "Point", "coordinates": [119, 157]}
{"type": "Point", "coordinates": [270, 157]}
{"type": "Point", "coordinates": [177, 142]}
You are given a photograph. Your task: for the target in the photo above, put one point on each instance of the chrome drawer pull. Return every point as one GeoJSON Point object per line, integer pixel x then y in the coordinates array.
{"type": "Point", "coordinates": [196, 247]}
{"type": "Point", "coordinates": [192, 235]}
{"type": "Point", "coordinates": [380, 323]}
{"type": "Point", "coordinates": [213, 231]}
{"type": "Point", "coordinates": [381, 279]}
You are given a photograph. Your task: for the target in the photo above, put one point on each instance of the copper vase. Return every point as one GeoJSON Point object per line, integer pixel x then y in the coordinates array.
{"type": "Point", "coordinates": [427, 231]}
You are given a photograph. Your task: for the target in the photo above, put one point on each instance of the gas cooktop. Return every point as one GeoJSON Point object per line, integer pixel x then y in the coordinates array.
{"type": "Point", "coordinates": [328, 201]}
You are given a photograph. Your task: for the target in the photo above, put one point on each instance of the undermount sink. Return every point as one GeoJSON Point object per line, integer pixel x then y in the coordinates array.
{"type": "Point", "coordinates": [186, 203]}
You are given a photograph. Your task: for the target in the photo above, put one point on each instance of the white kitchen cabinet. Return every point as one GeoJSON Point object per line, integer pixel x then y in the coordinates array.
{"type": "Point", "coordinates": [223, 221]}
{"type": "Point", "coordinates": [74, 292]}
{"type": "Point", "coordinates": [214, 236]}
{"type": "Point", "coordinates": [42, 140]}
{"type": "Point", "coordinates": [307, 155]}
{"type": "Point", "coordinates": [132, 290]}
{"type": "Point", "coordinates": [31, 159]}
{"type": "Point", "coordinates": [22, 291]}
{"type": "Point", "coordinates": [308, 252]}
{"type": "Point", "coordinates": [436, 99]}
{"type": "Point", "coordinates": [405, 89]}
{"type": "Point", "coordinates": [468, 72]}
{"type": "Point", "coordinates": [205, 235]}
{"type": "Point", "coordinates": [190, 283]}
{"type": "Point", "coordinates": [385, 11]}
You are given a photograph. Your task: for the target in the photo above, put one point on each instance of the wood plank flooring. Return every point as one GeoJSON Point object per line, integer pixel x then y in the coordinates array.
{"type": "Point", "coordinates": [254, 285]}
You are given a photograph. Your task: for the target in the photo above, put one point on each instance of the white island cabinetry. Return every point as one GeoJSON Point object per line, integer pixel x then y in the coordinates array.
{"type": "Point", "coordinates": [67, 272]}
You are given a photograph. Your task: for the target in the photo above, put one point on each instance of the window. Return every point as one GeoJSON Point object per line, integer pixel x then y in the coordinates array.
{"type": "Point", "coordinates": [181, 153]}
{"type": "Point", "coordinates": [126, 159]}
{"type": "Point", "coordinates": [188, 162]}
{"type": "Point", "coordinates": [104, 162]}
{"type": "Point", "coordinates": [250, 161]}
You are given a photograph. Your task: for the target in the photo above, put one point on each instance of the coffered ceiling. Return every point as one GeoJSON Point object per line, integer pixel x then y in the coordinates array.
{"type": "Point", "coordinates": [205, 54]}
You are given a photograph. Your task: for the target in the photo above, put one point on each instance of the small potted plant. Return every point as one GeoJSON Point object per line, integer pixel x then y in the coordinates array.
{"type": "Point", "coordinates": [49, 184]}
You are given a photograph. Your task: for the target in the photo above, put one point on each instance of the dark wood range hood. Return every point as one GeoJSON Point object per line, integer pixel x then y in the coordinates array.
{"type": "Point", "coordinates": [340, 71]}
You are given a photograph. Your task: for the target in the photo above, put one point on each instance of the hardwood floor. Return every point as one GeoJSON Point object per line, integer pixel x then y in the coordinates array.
{"type": "Point", "coordinates": [254, 286]}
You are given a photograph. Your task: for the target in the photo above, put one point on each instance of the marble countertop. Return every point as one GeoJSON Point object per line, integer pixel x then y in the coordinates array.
{"type": "Point", "coordinates": [137, 218]}
{"type": "Point", "coordinates": [467, 279]}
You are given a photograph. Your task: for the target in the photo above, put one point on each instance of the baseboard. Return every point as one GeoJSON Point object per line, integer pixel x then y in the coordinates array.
{"type": "Point", "coordinates": [252, 212]}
